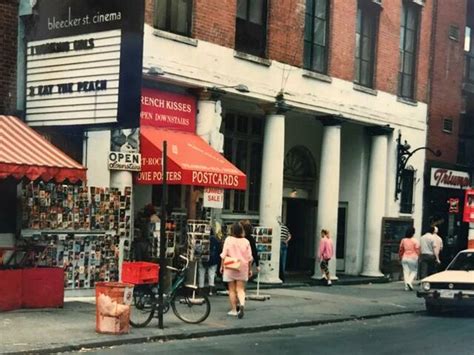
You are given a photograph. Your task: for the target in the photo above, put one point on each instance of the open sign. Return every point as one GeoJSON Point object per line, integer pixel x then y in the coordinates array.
{"type": "Point", "coordinates": [124, 161]}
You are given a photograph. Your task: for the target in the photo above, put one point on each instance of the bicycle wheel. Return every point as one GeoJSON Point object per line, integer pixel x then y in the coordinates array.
{"type": "Point", "coordinates": [143, 306]}
{"type": "Point", "coordinates": [189, 306]}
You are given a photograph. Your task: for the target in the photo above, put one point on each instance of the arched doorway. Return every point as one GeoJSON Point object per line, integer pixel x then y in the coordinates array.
{"type": "Point", "coordinates": [299, 207]}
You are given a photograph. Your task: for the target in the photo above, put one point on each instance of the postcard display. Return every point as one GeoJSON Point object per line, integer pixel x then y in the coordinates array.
{"type": "Point", "coordinates": [170, 233]}
{"type": "Point", "coordinates": [198, 240]}
{"type": "Point", "coordinates": [84, 229]}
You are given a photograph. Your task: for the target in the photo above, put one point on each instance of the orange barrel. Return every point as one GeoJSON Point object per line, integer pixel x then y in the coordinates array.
{"type": "Point", "coordinates": [112, 301]}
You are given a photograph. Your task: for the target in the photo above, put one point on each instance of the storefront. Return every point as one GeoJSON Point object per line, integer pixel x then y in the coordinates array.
{"type": "Point", "coordinates": [444, 206]}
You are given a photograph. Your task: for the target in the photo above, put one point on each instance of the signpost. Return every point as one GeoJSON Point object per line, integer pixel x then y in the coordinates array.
{"type": "Point", "coordinates": [164, 201]}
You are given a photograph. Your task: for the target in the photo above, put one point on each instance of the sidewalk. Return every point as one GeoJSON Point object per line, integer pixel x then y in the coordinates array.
{"type": "Point", "coordinates": [73, 327]}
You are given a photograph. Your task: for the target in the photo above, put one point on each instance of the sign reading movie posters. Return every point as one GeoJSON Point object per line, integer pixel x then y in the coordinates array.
{"type": "Point", "coordinates": [451, 179]}
{"type": "Point", "coordinates": [168, 110]}
{"type": "Point", "coordinates": [124, 150]}
{"type": "Point", "coordinates": [84, 62]}
{"type": "Point", "coordinates": [468, 215]}
{"type": "Point", "coordinates": [213, 198]}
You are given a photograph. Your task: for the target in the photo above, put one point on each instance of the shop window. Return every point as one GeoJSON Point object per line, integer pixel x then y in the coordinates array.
{"type": "Point", "coordinates": [244, 148]}
{"type": "Point", "coordinates": [408, 50]}
{"type": "Point", "coordinates": [366, 34]}
{"type": "Point", "coordinates": [251, 27]}
{"type": "Point", "coordinates": [316, 35]}
{"type": "Point", "coordinates": [174, 16]}
{"type": "Point", "coordinates": [408, 184]}
{"type": "Point", "coordinates": [174, 197]}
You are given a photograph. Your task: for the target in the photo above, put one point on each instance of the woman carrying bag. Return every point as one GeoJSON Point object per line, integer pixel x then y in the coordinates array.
{"type": "Point", "coordinates": [236, 268]}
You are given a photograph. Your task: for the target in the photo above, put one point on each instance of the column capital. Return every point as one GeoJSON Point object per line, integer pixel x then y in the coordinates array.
{"type": "Point", "coordinates": [379, 130]}
{"type": "Point", "coordinates": [277, 107]}
{"type": "Point", "coordinates": [208, 94]}
{"type": "Point", "coordinates": [331, 120]}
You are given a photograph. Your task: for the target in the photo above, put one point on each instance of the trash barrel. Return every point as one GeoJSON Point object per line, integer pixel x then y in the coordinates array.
{"type": "Point", "coordinates": [113, 301]}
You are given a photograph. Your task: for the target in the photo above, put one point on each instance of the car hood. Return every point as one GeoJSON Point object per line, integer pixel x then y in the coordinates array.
{"type": "Point", "coordinates": [451, 276]}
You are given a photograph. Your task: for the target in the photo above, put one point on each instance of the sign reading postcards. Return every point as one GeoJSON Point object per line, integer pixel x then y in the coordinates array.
{"type": "Point", "coordinates": [84, 62]}
{"type": "Point", "coordinates": [168, 110]}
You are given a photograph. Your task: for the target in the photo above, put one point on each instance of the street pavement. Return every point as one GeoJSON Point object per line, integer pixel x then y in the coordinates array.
{"type": "Point", "coordinates": [408, 334]}
{"type": "Point", "coordinates": [72, 328]}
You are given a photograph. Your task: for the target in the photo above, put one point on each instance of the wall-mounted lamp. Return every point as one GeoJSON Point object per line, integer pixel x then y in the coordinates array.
{"type": "Point", "coordinates": [156, 71]}
{"type": "Point", "coordinates": [403, 155]}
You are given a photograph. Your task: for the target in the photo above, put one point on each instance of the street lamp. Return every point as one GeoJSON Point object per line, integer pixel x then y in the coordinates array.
{"type": "Point", "coordinates": [403, 155]}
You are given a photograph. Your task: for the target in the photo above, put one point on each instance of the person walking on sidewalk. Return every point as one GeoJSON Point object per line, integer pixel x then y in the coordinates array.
{"type": "Point", "coordinates": [211, 265]}
{"type": "Point", "coordinates": [409, 251]}
{"type": "Point", "coordinates": [285, 237]}
{"type": "Point", "coordinates": [253, 246]}
{"type": "Point", "coordinates": [326, 252]}
{"type": "Point", "coordinates": [429, 247]}
{"type": "Point", "coordinates": [236, 268]}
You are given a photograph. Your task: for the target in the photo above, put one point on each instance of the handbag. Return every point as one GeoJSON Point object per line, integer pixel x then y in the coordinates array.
{"type": "Point", "coordinates": [231, 263]}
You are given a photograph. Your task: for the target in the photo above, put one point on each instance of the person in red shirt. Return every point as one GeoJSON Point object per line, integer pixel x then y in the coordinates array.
{"type": "Point", "coordinates": [326, 252]}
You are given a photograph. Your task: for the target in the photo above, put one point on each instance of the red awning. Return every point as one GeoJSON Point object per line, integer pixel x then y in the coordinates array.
{"type": "Point", "coordinates": [25, 153]}
{"type": "Point", "coordinates": [191, 161]}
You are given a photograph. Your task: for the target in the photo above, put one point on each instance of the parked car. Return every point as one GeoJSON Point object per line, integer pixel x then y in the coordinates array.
{"type": "Point", "coordinates": [451, 288]}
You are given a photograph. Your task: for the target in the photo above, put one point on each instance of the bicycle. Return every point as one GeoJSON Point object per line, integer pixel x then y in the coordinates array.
{"type": "Point", "coordinates": [187, 305]}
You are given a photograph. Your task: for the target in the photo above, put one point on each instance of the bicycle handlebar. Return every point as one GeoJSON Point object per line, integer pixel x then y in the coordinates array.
{"type": "Point", "coordinates": [179, 270]}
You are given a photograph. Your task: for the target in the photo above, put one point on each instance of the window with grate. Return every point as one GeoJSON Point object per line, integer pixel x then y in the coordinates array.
{"type": "Point", "coordinates": [243, 146]}
{"type": "Point", "coordinates": [366, 34]}
{"type": "Point", "coordinates": [448, 125]}
{"type": "Point", "coordinates": [453, 32]}
{"type": "Point", "coordinates": [408, 185]}
{"type": "Point", "coordinates": [408, 49]}
{"type": "Point", "coordinates": [251, 27]}
{"type": "Point", "coordinates": [174, 16]}
{"type": "Point", "coordinates": [316, 35]}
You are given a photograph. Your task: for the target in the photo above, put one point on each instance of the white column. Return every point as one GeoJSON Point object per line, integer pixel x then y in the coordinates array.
{"type": "Point", "coordinates": [328, 191]}
{"type": "Point", "coordinates": [271, 191]}
{"type": "Point", "coordinates": [375, 206]}
{"type": "Point", "coordinates": [96, 152]}
{"type": "Point", "coordinates": [205, 118]}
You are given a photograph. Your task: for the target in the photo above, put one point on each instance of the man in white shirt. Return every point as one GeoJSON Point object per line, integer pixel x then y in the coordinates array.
{"type": "Point", "coordinates": [430, 246]}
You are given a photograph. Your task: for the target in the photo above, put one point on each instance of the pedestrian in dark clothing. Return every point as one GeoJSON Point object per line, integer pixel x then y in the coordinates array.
{"type": "Point", "coordinates": [253, 245]}
{"type": "Point", "coordinates": [210, 265]}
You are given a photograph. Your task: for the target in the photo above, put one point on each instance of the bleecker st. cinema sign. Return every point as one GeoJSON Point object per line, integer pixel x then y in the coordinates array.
{"type": "Point", "coordinates": [452, 179]}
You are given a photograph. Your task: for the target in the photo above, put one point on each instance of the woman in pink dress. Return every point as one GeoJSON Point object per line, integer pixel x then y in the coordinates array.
{"type": "Point", "coordinates": [237, 246]}
{"type": "Point", "coordinates": [326, 252]}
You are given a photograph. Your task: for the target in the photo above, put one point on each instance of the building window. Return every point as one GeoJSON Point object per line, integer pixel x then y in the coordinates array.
{"type": "Point", "coordinates": [174, 16]}
{"type": "Point", "coordinates": [408, 184]}
{"type": "Point", "coordinates": [251, 27]}
{"type": "Point", "coordinates": [316, 35]}
{"type": "Point", "coordinates": [408, 49]}
{"type": "Point", "coordinates": [469, 56]}
{"type": "Point", "coordinates": [366, 33]}
{"type": "Point", "coordinates": [448, 125]}
{"type": "Point", "coordinates": [243, 147]}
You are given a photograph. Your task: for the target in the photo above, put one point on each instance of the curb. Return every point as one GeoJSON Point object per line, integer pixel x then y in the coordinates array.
{"type": "Point", "coordinates": [204, 334]}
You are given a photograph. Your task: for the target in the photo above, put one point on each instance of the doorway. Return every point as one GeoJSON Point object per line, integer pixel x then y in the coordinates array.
{"type": "Point", "coordinates": [300, 216]}
{"type": "Point", "coordinates": [341, 236]}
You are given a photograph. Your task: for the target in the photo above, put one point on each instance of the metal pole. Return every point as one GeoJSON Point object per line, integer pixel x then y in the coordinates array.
{"type": "Point", "coordinates": [164, 200]}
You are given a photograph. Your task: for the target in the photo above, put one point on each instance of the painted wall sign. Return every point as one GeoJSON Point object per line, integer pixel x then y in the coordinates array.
{"type": "Point", "coordinates": [213, 198]}
{"type": "Point", "coordinates": [451, 179]}
{"type": "Point", "coordinates": [168, 110]}
{"type": "Point", "coordinates": [84, 62]}
{"type": "Point", "coordinates": [468, 215]}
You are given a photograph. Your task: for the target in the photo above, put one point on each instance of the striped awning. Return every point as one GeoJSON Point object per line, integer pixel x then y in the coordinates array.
{"type": "Point", "coordinates": [24, 153]}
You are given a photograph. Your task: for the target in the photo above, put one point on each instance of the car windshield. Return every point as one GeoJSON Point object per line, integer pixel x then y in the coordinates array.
{"type": "Point", "coordinates": [464, 261]}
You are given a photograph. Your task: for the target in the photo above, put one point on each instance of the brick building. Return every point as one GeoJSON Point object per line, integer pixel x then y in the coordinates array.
{"type": "Point", "coordinates": [8, 50]}
{"type": "Point", "coordinates": [449, 122]}
{"type": "Point", "coordinates": [313, 94]}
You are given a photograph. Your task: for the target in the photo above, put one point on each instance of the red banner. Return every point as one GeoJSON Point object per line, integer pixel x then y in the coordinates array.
{"type": "Point", "coordinates": [468, 215]}
{"type": "Point", "coordinates": [168, 110]}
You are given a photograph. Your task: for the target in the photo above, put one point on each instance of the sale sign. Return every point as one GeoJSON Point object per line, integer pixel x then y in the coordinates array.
{"type": "Point", "coordinates": [168, 110]}
{"type": "Point", "coordinates": [213, 198]}
{"type": "Point", "coordinates": [468, 215]}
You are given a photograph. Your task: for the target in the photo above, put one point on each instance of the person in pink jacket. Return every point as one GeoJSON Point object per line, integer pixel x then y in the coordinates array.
{"type": "Point", "coordinates": [326, 252]}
